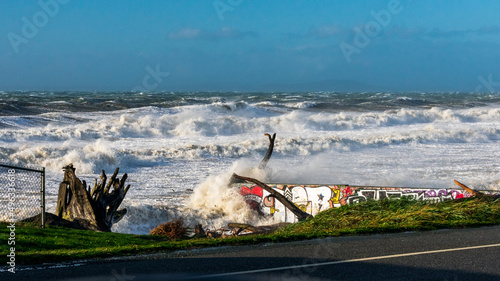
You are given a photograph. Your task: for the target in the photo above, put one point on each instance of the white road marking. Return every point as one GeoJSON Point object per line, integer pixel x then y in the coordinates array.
{"type": "Point", "coordinates": [345, 261]}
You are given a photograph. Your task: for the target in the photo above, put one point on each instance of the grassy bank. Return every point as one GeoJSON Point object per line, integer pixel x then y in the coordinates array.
{"type": "Point", "coordinates": [55, 244]}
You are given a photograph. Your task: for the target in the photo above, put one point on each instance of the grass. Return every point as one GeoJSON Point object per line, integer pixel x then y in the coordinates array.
{"type": "Point", "coordinates": [56, 244]}
{"type": "Point", "coordinates": [399, 215]}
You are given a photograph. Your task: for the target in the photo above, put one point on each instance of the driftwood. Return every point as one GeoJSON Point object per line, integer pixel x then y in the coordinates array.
{"type": "Point", "coordinates": [475, 193]}
{"type": "Point", "coordinates": [264, 161]}
{"type": "Point", "coordinates": [470, 190]}
{"type": "Point", "coordinates": [99, 206]}
{"type": "Point", "coordinates": [237, 229]}
{"type": "Point", "coordinates": [301, 215]}
{"type": "Point", "coordinates": [247, 229]}
{"type": "Point", "coordinates": [51, 219]}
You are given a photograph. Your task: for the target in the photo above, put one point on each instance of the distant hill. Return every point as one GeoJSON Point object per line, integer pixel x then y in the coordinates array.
{"type": "Point", "coordinates": [324, 85]}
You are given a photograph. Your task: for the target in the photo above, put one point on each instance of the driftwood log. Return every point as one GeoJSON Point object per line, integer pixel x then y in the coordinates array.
{"type": "Point", "coordinates": [468, 189]}
{"type": "Point", "coordinates": [98, 207]}
{"type": "Point", "coordinates": [474, 193]}
{"type": "Point", "coordinates": [264, 161]}
{"type": "Point", "coordinates": [301, 215]}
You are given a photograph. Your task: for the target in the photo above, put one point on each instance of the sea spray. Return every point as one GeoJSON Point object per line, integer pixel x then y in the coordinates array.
{"type": "Point", "coordinates": [213, 204]}
{"type": "Point", "coordinates": [142, 218]}
{"type": "Point", "coordinates": [216, 202]}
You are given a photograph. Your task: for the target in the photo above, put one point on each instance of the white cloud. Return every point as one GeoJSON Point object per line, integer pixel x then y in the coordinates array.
{"type": "Point", "coordinates": [185, 33]}
{"type": "Point", "coordinates": [200, 34]}
{"type": "Point", "coordinates": [325, 31]}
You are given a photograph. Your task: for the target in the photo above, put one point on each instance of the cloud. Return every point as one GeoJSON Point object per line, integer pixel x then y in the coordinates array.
{"type": "Point", "coordinates": [404, 32]}
{"type": "Point", "coordinates": [485, 30]}
{"type": "Point", "coordinates": [393, 32]}
{"type": "Point", "coordinates": [320, 32]}
{"type": "Point", "coordinates": [185, 34]}
{"type": "Point", "coordinates": [399, 32]}
{"type": "Point", "coordinates": [325, 31]}
{"type": "Point", "coordinates": [200, 34]}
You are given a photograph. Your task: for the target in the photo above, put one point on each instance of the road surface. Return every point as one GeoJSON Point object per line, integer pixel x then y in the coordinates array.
{"type": "Point", "coordinates": [458, 254]}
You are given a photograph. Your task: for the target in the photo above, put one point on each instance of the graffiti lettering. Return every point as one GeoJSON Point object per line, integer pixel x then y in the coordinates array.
{"type": "Point", "coordinates": [316, 198]}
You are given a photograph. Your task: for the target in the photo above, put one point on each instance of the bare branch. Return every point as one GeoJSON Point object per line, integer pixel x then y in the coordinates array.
{"type": "Point", "coordinates": [470, 190]}
{"type": "Point", "coordinates": [264, 161]}
{"type": "Point", "coordinates": [301, 215]}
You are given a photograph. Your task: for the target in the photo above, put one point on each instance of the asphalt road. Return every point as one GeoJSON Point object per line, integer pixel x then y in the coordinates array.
{"type": "Point", "coordinates": [458, 254]}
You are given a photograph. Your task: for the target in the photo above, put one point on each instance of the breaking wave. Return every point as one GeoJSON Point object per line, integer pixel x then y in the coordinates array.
{"type": "Point", "coordinates": [197, 132]}
{"type": "Point", "coordinates": [180, 149]}
{"type": "Point", "coordinates": [213, 204]}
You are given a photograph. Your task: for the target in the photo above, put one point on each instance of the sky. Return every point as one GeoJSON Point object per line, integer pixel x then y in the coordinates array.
{"type": "Point", "coordinates": [249, 45]}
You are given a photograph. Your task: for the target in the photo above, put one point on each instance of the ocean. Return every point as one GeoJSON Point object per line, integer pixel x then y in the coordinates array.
{"type": "Point", "coordinates": [180, 149]}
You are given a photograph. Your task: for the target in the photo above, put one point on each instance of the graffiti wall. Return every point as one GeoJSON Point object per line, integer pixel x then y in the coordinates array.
{"type": "Point", "coordinates": [316, 198]}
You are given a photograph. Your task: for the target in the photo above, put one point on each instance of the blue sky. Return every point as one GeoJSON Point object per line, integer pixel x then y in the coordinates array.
{"type": "Point", "coordinates": [246, 45]}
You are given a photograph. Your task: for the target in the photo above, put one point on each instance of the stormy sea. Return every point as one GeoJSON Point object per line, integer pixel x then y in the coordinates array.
{"type": "Point", "coordinates": [179, 149]}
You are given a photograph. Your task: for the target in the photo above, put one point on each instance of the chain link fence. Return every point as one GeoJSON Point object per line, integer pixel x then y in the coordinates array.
{"type": "Point", "coordinates": [22, 193]}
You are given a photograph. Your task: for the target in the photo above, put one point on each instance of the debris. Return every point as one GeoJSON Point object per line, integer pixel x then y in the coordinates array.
{"type": "Point", "coordinates": [475, 193]}
{"type": "Point", "coordinates": [241, 229]}
{"type": "Point", "coordinates": [198, 231]}
{"type": "Point", "coordinates": [173, 229]}
{"type": "Point", "coordinates": [99, 207]}
{"type": "Point", "coordinates": [301, 215]}
{"type": "Point", "coordinates": [470, 190]}
{"type": "Point", "coordinates": [264, 161]}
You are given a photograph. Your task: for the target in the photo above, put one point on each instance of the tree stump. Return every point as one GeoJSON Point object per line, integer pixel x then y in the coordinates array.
{"type": "Point", "coordinates": [99, 206]}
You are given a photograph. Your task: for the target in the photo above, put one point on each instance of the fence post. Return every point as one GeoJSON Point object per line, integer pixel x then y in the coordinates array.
{"type": "Point", "coordinates": [42, 191]}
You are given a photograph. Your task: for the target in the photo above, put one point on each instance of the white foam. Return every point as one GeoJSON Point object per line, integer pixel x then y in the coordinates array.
{"type": "Point", "coordinates": [213, 204]}
{"type": "Point", "coordinates": [168, 151]}
{"type": "Point", "coordinates": [216, 203]}
{"type": "Point", "coordinates": [141, 217]}
{"type": "Point", "coordinates": [301, 105]}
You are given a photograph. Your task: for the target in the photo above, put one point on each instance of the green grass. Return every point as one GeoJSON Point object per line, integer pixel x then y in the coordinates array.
{"type": "Point", "coordinates": [399, 215]}
{"type": "Point", "coordinates": [55, 244]}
